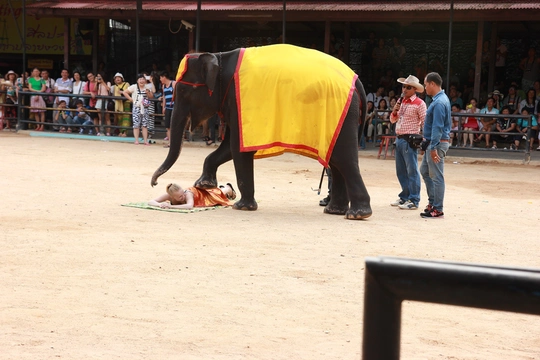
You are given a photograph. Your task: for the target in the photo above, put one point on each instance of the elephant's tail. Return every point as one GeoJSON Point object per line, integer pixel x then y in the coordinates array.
{"type": "Point", "coordinates": [363, 102]}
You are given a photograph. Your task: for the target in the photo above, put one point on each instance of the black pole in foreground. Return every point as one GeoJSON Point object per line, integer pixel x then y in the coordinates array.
{"type": "Point", "coordinates": [389, 281]}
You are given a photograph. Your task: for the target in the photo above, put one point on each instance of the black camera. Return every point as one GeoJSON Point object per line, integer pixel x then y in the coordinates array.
{"type": "Point", "coordinates": [424, 144]}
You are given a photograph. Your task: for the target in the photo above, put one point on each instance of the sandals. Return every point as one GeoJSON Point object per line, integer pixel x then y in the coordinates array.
{"type": "Point", "coordinates": [210, 142]}
{"type": "Point", "coordinates": [233, 195]}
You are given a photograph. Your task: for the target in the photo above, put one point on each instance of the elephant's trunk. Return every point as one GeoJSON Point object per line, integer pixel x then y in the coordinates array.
{"type": "Point", "coordinates": [176, 139]}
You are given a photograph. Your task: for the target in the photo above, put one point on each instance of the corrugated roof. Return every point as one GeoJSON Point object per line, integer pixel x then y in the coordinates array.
{"type": "Point", "coordinates": [209, 5]}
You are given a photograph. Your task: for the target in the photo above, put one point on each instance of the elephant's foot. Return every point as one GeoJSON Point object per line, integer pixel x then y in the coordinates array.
{"type": "Point", "coordinates": [245, 205]}
{"type": "Point", "coordinates": [359, 214]}
{"type": "Point", "coordinates": [335, 210]}
{"type": "Point", "coordinates": [206, 182]}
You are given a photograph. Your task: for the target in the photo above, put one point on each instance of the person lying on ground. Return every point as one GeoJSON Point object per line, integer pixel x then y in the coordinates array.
{"type": "Point", "coordinates": [178, 198]}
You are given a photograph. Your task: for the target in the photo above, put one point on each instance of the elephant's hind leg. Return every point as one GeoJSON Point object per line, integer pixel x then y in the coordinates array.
{"type": "Point", "coordinates": [212, 162]}
{"type": "Point", "coordinates": [243, 166]}
{"type": "Point", "coordinates": [339, 201]}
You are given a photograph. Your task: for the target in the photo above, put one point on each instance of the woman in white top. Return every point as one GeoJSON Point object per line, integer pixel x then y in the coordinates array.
{"type": "Point", "coordinates": [78, 86]}
{"type": "Point", "coordinates": [139, 94]}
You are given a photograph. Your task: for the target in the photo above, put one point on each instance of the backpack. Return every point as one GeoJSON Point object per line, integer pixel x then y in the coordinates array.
{"type": "Point", "coordinates": [49, 99]}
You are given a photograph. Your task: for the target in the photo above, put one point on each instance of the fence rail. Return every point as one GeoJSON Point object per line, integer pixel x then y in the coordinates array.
{"type": "Point", "coordinates": [390, 280]}
{"type": "Point", "coordinates": [23, 107]}
{"type": "Point", "coordinates": [460, 131]}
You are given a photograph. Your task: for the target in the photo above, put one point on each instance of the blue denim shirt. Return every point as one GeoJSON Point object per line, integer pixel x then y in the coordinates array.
{"type": "Point", "coordinates": [438, 120]}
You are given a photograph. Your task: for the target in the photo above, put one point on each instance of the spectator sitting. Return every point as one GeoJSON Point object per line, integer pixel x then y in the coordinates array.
{"type": "Point", "coordinates": [506, 125]}
{"type": "Point", "coordinates": [487, 124]}
{"type": "Point", "coordinates": [512, 100]}
{"type": "Point", "coordinates": [82, 118]}
{"type": "Point", "coordinates": [529, 102]}
{"type": "Point", "coordinates": [370, 112]}
{"type": "Point", "coordinates": [62, 116]}
{"type": "Point", "coordinates": [471, 123]}
{"type": "Point", "coordinates": [523, 126]}
{"type": "Point", "coordinates": [375, 97]}
{"type": "Point", "coordinates": [454, 97]}
{"type": "Point", "coordinates": [497, 99]}
{"type": "Point", "coordinates": [381, 118]}
{"type": "Point", "coordinates": [455, 124]}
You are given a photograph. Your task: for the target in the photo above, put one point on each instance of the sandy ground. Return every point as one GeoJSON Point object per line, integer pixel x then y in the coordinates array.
{"type": "Point", "coordinates": [83, 278]}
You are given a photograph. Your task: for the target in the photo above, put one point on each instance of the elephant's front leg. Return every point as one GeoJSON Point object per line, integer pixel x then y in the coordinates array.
{"type": "Point", "coordinates": [213, 161]}
{"type": "Point", "coordinates": [243, 166]}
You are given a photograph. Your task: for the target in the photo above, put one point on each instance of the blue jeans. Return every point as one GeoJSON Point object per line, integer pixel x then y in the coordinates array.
{"type": "Point", "coordinates": [433, 175]}
{"type": "Point", "coordinates": [407, 171]}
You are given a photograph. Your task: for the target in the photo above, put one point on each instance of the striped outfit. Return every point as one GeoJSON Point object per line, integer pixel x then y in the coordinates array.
{"type": "Point", "coordinates": [140, 113]}
{"type": "Point", "coordinates": [169, 103]}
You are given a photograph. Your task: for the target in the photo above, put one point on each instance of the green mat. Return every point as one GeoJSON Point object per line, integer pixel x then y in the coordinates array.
{"type": "Point", "coordinates": [144, 205]}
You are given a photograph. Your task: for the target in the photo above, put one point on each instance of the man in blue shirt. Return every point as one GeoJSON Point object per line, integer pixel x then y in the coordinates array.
{"type": "Point", "coordinates": [437, 132]}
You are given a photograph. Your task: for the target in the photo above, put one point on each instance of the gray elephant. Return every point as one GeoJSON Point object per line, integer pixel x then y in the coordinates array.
{"type": "Point", "coordinates": [273, 99]}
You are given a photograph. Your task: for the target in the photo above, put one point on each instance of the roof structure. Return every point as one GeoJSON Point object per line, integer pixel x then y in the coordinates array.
{"type": "Point", "coordinates": [297, 10]}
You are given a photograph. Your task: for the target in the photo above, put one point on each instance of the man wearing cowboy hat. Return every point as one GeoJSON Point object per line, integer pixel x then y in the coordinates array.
{"type": "Point", "coordinates": [408, 115]}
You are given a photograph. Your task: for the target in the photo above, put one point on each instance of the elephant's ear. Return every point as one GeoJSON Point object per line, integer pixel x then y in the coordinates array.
{"type": "Point", "coordinates": [210, 70]}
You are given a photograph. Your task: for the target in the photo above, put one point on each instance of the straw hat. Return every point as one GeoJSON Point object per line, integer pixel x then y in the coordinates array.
{"type": "Point", "coordinates": [496, 92]}
{"type": "Point", "coordinates": [11, 72]}
{"type": "Point", "coordinates": [412, 81]}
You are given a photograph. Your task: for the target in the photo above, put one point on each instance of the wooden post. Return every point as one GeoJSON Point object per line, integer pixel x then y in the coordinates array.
{"type": "Point", "coordinates": [347, 45]}
{"type": "Point", "coordinates": [492, 56]}
{"type": "Point", "coordinates": [95, 45]}
{"type": "Point", "coordinates": [327, 30]}
{"type": "Point", "coordinates": [478, 62]}
{"type": "Point", "coordinates": [66, 43]}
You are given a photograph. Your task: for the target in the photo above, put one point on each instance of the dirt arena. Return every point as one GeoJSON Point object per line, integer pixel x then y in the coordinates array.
{"type": "Point", "coordinates": [82, 277]}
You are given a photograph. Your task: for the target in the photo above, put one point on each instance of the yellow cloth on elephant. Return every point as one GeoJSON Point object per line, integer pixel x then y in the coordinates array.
{"type": "Point", "coordinates": [182, 68]}
{"type": "Point", "coordinates": [291, 99]}
{"type": "Point", "coordinates": [208, 197]}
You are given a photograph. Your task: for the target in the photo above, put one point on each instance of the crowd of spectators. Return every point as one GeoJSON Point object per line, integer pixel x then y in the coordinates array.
{"type": "Point", "coordinates": [468, 131]}
{"type": "Point", "coordinates": [381, 66]}
{"type": "Point", "coordinates": [103, 108]}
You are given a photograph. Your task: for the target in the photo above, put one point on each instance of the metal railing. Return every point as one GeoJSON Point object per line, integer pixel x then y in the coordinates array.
{"type": "Point", "coordinates": [459, 132]}
{"type": "Point", "coordinates": [23, 107]}
{"type": "Point", "coordinates": [390, 280]}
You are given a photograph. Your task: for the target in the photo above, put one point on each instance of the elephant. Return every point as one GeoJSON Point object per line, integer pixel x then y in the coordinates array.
{"type": "Point", "coordinates": [210, 83]}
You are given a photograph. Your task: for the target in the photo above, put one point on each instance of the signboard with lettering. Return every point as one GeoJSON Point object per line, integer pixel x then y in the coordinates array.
{"type": "Point", "coordinates": [43, 35]}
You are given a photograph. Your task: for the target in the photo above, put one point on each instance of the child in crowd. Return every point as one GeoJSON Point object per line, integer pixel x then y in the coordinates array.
{"type": "Point", "coordinates": [62, 116]}
{"type": "Point", "coordinates": [523, 126]}
{"type": "Point", "coordinates": [471, 123]}
{"type": "Point", "coordinates": [456, 108]}
{"type": "Point", "coordinates": [82, 118]}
